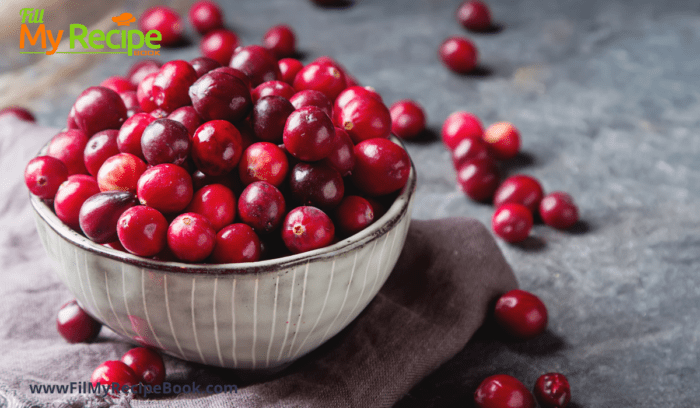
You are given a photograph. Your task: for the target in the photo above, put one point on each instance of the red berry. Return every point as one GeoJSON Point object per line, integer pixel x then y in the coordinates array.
{"type": "Point", "coordinates": [75, 325]}
{"type": "Point", "coordinates": [307, 228]}
{"type": "Point", "coordinates": [257, 62]}
{"type": "Point", "coordinates": [164, 20]}
{"type": "Point", "coordinates": [144, 92]}
{"type": "Point", "coordinates": [381, 167]}
{"type": "Point", "coordinates": [353, 215]}
{"type": "Point", "coordinates": [131, 102]}
{"type": "Point", "coordinates": [236, 243]}
{"type": "Point", "coordinates": [129, 139]}
{"type": "Point", "coordinates": [325, 78]}
{"type": "Point", "coordinates": [142, 230]}
{"type": "Point", "coordinates": [552, 390]}
{"type": "Point", "coordinates": [147, 364]}
{"type": "Point", "coordinates": [521, 314]}
{"type": "Point", "coordinates": [100, 214]}
{"type": "Point", "coordinates": [308, 134]}
{"type": "Point", "coordinates": [235, 73]}
{"type": "Point", "coordinates": [263, 161]}
{"type": "Point", "coordinates": [202, 65]}
{"type": "Point", "coordinates": [512, 222]}
{"type": "Point", "coordinates": [311, 97]}
{"type": "Point", "coordinates": [280, 40]}
{"type": "Point", "coordinates": [289, 67]}
{"type": "Point", "coordinates": [172, 83]}
{"type": "Point", "coordinates": [206, 16]}
{"type": "Point", "coordinates": [351, 93]}
{"type": "Point", "coordinates": [216, 202]}
{"type": "Point", "coordinates": [165, 141]}
{"type": "Point", "coordinates": [474, 15]}
{"type": "Point", "coordinates": [221, 95]}
{"type": "Point", "coordinates": [558, 210]}
{"type": "Point", "coordinates": [503, 391]}
{"type": "Point", "coordinates": [459, 126]}
{"type": "Point", "coordinates": [165, 187]}
{"type": "Point", "coordinates": [191, 237]}
{"type": "Point", "coordinates": [478, 179]}
{"type": "Point", "coordinates": [316, 184]}
{"type": "Point", "coordinates": [342, 157]}
{"type": "Point", "coordinates": [120, 172]}
{"type": "Point", "coordinates": [269, 117]}
{"type": "Point", "coordinates": [98, 108]}
{"type": "Point", "coordinates": [219, 45]}
{"type": "Point", "coordinates": [458, 54]}
{"type": "Point", "coordinates": [407, 119]}
{"type": "Point", "coordinates": [503, 140]}
{"type": "Point", "coordinates": [101, 146]}
{"type": "Point", "coordinates": [188, 117]}
{"type": "Point", "coordinates": [262, 206]}
{"type": "Point", "coordinates": [216, 147]}
{"type": "Point", "coordinates": [68, 147]}
{"type": "Point", "coordinates": [365, 118]}
{"type": "Point", "coordinates": [118, 84]}
{"type": "Point", "coordinates": [469, 149]}
{"type": "Point", "coordinates": [18, 112]}
{"type": "Point", "coordinates": [70, 197]}
{"type": "Point", "coordinates": [114, 371]}
{"type": "Point", "coordinates": [44, 175]}
{"type": "Point", "coordinates": [141, 69]}
{"type": "Point", "coordinates": [200, 180]}
{"type": "Point", "coordinates": [519, 189]}
{"type": "Point", "coordinates": [269, 88]}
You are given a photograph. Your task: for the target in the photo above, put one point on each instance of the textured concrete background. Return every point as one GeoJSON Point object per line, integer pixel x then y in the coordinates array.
{"type": "Point", "coordinates": [607, 99]}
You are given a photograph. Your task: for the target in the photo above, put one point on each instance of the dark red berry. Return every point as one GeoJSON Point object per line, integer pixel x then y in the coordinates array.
{"type": "Point", "coordinates": [308, 134]}
{"type": "Point", "coordinates": [458, 54]}
{"type": "Point", "coordinates": [191, 237]}
{"type": "Point", "coordinates": [18, 112]}
{"type": "Point", "coordinates": [164, 20]}
{"type": "Point", "coordinates": [188, 117]}
{"type": "Point", "coordinates": [552, 390]}
{"type": "Point", "coordinates": [202, 65]}
{"type": "Point", "coordinates": [407, 119]}
{"type": "Point", "coordinates": [129, 139]}
{"type": "Point", "coordinates": [147, 364]}
{"type": "Point", "coordinates": [316, 184]}
{"type": "Point", "coordinates": [353, 215]}
{"type": "Point", "coordinates": [307, 228]}
{"type": "Point", "coordinates": [206, 16]}
{"type": "Point", "coordinates": [478, 179]}
{"type": "Point", "coordinates": [100, 213]}
{"type": "Point", "coordinates": [70, 197]}
{"type": "Point", "coordinates": [269, 117]}
{"type": "Point", "coordinates": [165, 187]}
{"type": "Point", "coordinates": [142, 230]}
{"type": "Point", "coordinates": [519, 189]}
{"type": "Point", "coordinates": [257, 62]}
{"type": "Point", "coordinates": [512, 222]}
{"type": "Point", "coordinates": [311, 97]}
{"type": "Point", "coordinates": [165, 141]}
{"type": "Point", "coordinates": [236, 243]}
{"type": "Point", "coordinates": [342, 157]}
{"type": "Point", "coordinates": [381, 167]}
{"type": "Point", "coordinates": [228, 180]}
{"type": "Point", "coordinates": [521, 314]}
{"type": "Point", "coordinates": [280, 40]}
{"type": "Point", "coordinates": [474, 15]}
{"type": "Point", "coordinates": [325, 78]}
{"type": "Point", "coordinates": [219, 95]}
{"type": "Point", "coordinates": [144, 93]}
{"type": "Point", "coordinates": [75, 325]}
{"type": "Point", "coordinates": [289, 67]}
{"type": "Point", "coordinates": [236, 73]}
{"type": "Point", "coordinates": [469, 149]}
{"type": "Point", "coordinates": [216, 202]}
{"type": "Point", "coordinates": [216, 147]}
{"type": "Point", "coordinates": [263, 161]}
{"type": "Point", "coordinates": [44, 175]}
{"type": "Point", "coordinates": [503, 140]}
{"type": "Point", "coordinates": [118, 84]}
{"type": "Point", "coordinates": [503, 391]}
{"type": "Point", "coordinates": [262, 206]}
{"type": "Point", "coordinates": [172, 84]}
{"type": "Point", "coordinates": [558, 210]}
{"type": "Point", "coordinates": [268, 88]}
{"type": "Point", "coordinates": [120, 172]}
{"type": "Point", "coordinates": [114, 371]}
{"type": "Point", "coordinates": [219, 45]}
{"type": "Point", "coordinates": [101, 146]}
{"type": "Point", "coordinates": [141, 69]}
{"type": "Point", "coordinates": [365, 118]}
{"type": "Point", "coordinates": [68, 147]}
{"type": "Point", "coordinates": [98, 108]}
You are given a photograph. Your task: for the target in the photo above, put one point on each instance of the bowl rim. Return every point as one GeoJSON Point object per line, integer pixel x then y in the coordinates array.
{"type": "Point", "coordinates": [387, 222]}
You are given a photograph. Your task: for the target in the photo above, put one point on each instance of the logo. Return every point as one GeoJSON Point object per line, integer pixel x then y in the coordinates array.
{"type": "Point", "coordinates": [117, 41]}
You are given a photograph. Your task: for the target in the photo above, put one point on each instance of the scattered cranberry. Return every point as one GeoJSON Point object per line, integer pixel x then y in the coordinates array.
{"type": "Point", "coordinates": [381, 167]}
{"type": "Point", "coordinates": [75, 325]}
{"type": "Point", "coordinates": [98, 108]}
{"type": "Point", "coordinates": [142, 230]}
{"type": "Point", "coordinates": [262, 206]}
{"type": "Point", "coordinates": [407, 119]}
{"type": "Point", "coordinates": [100, 213]}
{"type": "Point", "coordinates": [307, 228]}
{"type": "Point", "coordinates": [118, 84]}
{"type": "Point", "coordinates": [469, 149]}
{"type": "Point", "coordinates": [165, 141]}
{"type": "Point", "coordinates": [503, 139]}
{"type": "Point", "coordinates": [70, 197]}
{"type": "Point", "coordinates": [503, 391]}
{"type": "Point", "coordinates": [147, 364]}
{"type": "Point", "coordinates": [308, 134]}
{"type": "Point", "coordinates": [325, 78]}
{"type": "Point", "coordinates": [289, 67]}
{"type": "Point", "coordinates": [269, 117]}
{"type": "Point", "coordinates": [458, 54]}
{"type": "Point", "coordinates": [558, 210]}
{"type": "Point", "coordinates": [202, 65]}
{"type": "Point", "coordinates": [165, 187]}
{"type": "Point", "coordinates": [188, 117]}
{"type": "Point", "coordinates": [512, 222]}
{"type": "Point", "coordinates": [44, 175]}
{"type": "Point", "coordinates": [478, 179]}
{"type": "Point", "coordinates": [129, 138]}
{"type": "Point", "coordinates": [191, 237]}
{"type": "Point", "coordinates": [316, 184]}
{"type": "Point", "coordinates": [219, 45]}
{"type": "Point", "coordinates": [257, 62]}
{"type": "Point", "coordinates": [164, 20]}
{"type": "Point", "coordinates": [206, 16]}
{"type": "Point", "coordinates": [101, 146]}
{"type": "Point", "coordinates": [111, 372]}
{"type": "Point", "coordinates": [280, 40]}
{"type": "Point", "coordinates": [18, 112]}
{"type": "Point", "coordinates": [263, 161]}
{"type": "Point", "coordinates": [269, 88]}
{"type": "Point", "coordinates": [218, 95]}
{"type": "Point", "coordinates": [365, 118]}
{"type": "Point", "coordinates": [552, 390]}
{"type": "Point", "coordinates": [342, 157]}
{"type": "Point", "coordinates": [236, 243]}
{"type": "Point", "coordinates": [141, 69]}
{"type": "Point", "coordinates": [68, 147]}
{"type": "Point", "coordinates": [521, 314]}
{"type": "Point", "coordinates": [474, 15]}
{"type": "Point", "coordinates": [519, 189]}
{"type": "Point", "coordinates": [144, 93]}
{"type": "Point", "coordinates": [120, 172]}
{"type": "Point", "coordinates": [172, 83]}
{"type": "Point", "coordinates": [353, 215]}
{"type": "Point", "coordinates": [216, 202]}
{"type": "Point", "coordinates": [351, 93]}
{"type": "Point", "coordinates": [311, 97]}
{"type": "Point", "coordinates": [216, 147]}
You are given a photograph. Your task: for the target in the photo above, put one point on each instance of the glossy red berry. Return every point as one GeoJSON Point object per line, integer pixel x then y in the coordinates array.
{"type": "Point", "coordinates": [114, 371]}
{"type": "Point", "coordinates": [269, 88]}
{"type": "Point", "coordinates": [311, 97]}
{"type": "Point", "coordinates": [188, 117]}
{"type": "Point", "coordinates": [325, 78]}
{"type": "Point", "coordinates": [216, 202]}
{"type": "Point", "coordinates": [470, 149]}
{"type": "Point", "coordinates": [141, 69]}
{"type": "Point", "coordinates": [131, 102]}
{"type": "Point", "coordinates": [269, 117]}
{"type": "Point", "coordinates": [263, 161]}
{"type": "Point", "coordinates": [216, 147]}
{"type": "Point", "coordinates": [503, 391]}
{"type": "Point", "coordinates": [365, 118]}
{"type": "Point", "coordinates": [120, 172]}
{"type": "Point", "coordinates": [474, 15]}
{"type": "Point", "coordinates": [165, 187]}
{"type": "Point", "coordinates": [44, 175]}
{"type": "Point", "coordinates": [142, 230]}
{"type": "Point", "coordinates": [68, 147]}
{"type": "Point", "coordinates": [202, 65]}
{"type": "Point", "coordinates": [503, 140]}
{"type": "Point", "coordinates": [458, 54]}
{"type": "Point", "coordinates": [236, 243]}
{"type": "Point", "coordinates": [100, 214]}
{"type": "Point", "coordinates": [219, 45]}
{"type": "Point", "coordinates": [512, 222]}
{"type": "Point", "coordinates": [220, 95]}
{"type": "Point", "coordinates": [307, 228]}
{"type": "Point", "coordinates": [521, 314]}
{"type": "Point", "coordinates": [342, 157]}
{"type": "Point", "coordinates": [280, 40]}
{"type": "Point", "coordinates": [17, 112]}
{"type": "Point", "coordinates": [257, 62]}
{"type": "Point", "coordinates": [351, 93]}
{"type": "Point", "coordinates": [75, 325]}
{"type": "Point", "coordinates": [129, 138]}
{"type": "Point", "coordinates": [164, 20]}
{"type": "Point", "coordinates": [147, 364]}
{"type": "Point", "coordinates": [308, 134]}
{"type": "Point", "coordinates": [459, 126]}
{"type": "Point", "coordinates": [101, 146]}
{"type": "Point", "coordinates": [407, 119]}
{"type": "Point", "coordinates": [353, 215]}
{"type": "Point", "coordinates": [144, 93]}
{"type": "Point", "coordinates": [552, 390]}
{"type": "Point", "coordinates": [381, 167]}
{"type": "Point", "coordinates": [478, 179]}
{"type": "Point", "coordinates": [558, 210]}
{"type": "Point", "coordinates": [70, 197]}
{"type": "Point", "coordinates": [289, 67]}
{"type": "Point", "coordinates": [191, 237]}
{"type": "Point", "coordinates": [520, 189]}
{"type": "Point", "coordinates": [262, 206]}
{"type": "Point", "coordinates": [172, 83]}
{"type": "Point", "coordinates": [235, 73]}
{"type": "Point", "coordinates": [206, 16]}
{"type": "Point", "coordinates": [317, 185]}
{"type": "Point", "coordinates": [165, 141]}
{"type": "Point", "coordinates": [98, 108]}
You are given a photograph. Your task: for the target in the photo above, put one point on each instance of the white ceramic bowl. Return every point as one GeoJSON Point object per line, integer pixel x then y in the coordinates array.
{"type": "Point", "coordinates": [258, 315]}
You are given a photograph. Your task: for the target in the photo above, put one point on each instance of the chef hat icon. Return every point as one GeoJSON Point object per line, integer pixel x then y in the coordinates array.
{"type": "Point", "coordinates": [124, 19]}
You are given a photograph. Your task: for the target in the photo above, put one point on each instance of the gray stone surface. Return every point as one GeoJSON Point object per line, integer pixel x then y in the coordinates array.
{"type": "Point", "coordinates": [607, 100]}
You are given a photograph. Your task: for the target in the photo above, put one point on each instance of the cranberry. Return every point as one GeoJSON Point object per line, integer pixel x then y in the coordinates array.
{"type": "Point", "coordinates": [111, 372]}
{"type": "Point", "coordinates": [478, 179]}
{"type": "Point", "coordinates": [316, 184]}
{"type": "Point", "coordinates": [142, 230]}
{"type": "Point", "coordinates": [500, 391]}
{"type": "Point", "coordinates": [558, 210]}
{"type": "Point", "coordinates": [144, 93]}
{"type": "Point", "coordinates": [474, 15]}
{"type": "Point", "coordinates": [120, 172]}
{"type": "Point", "coordinates": [118, 84]}
{"type": "Point", "coordinates": [129, 138]}
{"type": "Point", "coordinates": [342, 157]}
{"type": "Point", "coordinates": [191, 237]}
{"type": "Point", "coordinates": [218, 95]}
{"type": "Point", "coordinates": [407, 119]}
{"type": "Point", "coordinates": [351, 93]}
{"type": "Point", "coordinates": [216, 147]}
{"type": "Point", "coordinates": [503, 140]}
{"type": "Point", "coordinates": [147, 364]}
{"type": "Point", "coordinates": [459, 126]}
{"type": "Point", "coordinates": [378, 208]}
{"type": "Point", "coordinates": [200, 180]}
{"type": "Point", "coordinates": [552, 390]}
{"type": "Point", "coordinates": [307, 228]}
{"type": "Point", "coordinates": [44, 175]}
{"type": "Point", "coordinates": [308, 134]}
{"type": "Point", "coordinates": [263, 161]}
{"type": "Point", "coordinates": [141, 69]}
{"type": "Point", "coordinates": [99, 214]}
{"type": "Point", "coordinates": [219, 45]}
{"type": "Point", "coordinates": [101, 146]}
{"type": "Point", "coordinates": [98, 108]}
{"type": "Point", "coordinates": [325, 78]}
{"type": "Point", "coordinates": [159, 113]}
{"type": "Point", "coordinates": [216, 202]}
{"type": "Point", "coordinates": [268, 88]}
{"type": "Point", "coordinates": [365, 118]}
{"type": "Point", "coordinates": [280, 40]}
{"type": "Point", "coordinates": [171, 85]}
{"type": "Point", "coordinates": [262, 206]}
{"type": "Point", "coordinates": [116, 245]}
{"type": "Point", "coordinates": [353, 215]}
{"type": "Point", "coordinates": [164, 20]}
{"type": "Point", "coordinates": [257, 62]}
{"type": "Point", "coordinates": [165, 187]}
{"type": "Point", "coordinates": [236, 243]}
{"type": "Point", "coordinates": [75, 325]}
{"type": "Point", "coordinates": [458, 54]}
{"type": "Point", "coordinates": [70, 197]}
{"type": "Point", "coordinates": [206, 16]}
{"type": "Point", "coordinates": [188, 117]}
{"type": "Point", "coordinates": [469, 149]}
{"type": "Point", "coordinates": [70, 120]}
{"type": "Point", "coordinates": [68, 147]}
{"type": "Point", "coordinates": [521, 314]}
{"type": "Point", "coordinates": [236, 73]}
{"type": "Point", "coordinates": [131, 102]}
{"type": "Point", "coordinates": [165, 141]}
{"type": "Point", "coordinates": [18, 112]}
{"type": "Point", "coordinates": [381, 167]}
{"type": "Point", "coordinates": [311, 97]}
{"type": "Point", "coordinates": [269, 117]}
{"type": "Point", "coordinates": [289, 67]}
{"type": "Point", "coordinates": [202, 65]}
{"type": "Point", "coordinates": [520, 189]}
{"type": "Point", "coordinates": [512, 222]}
